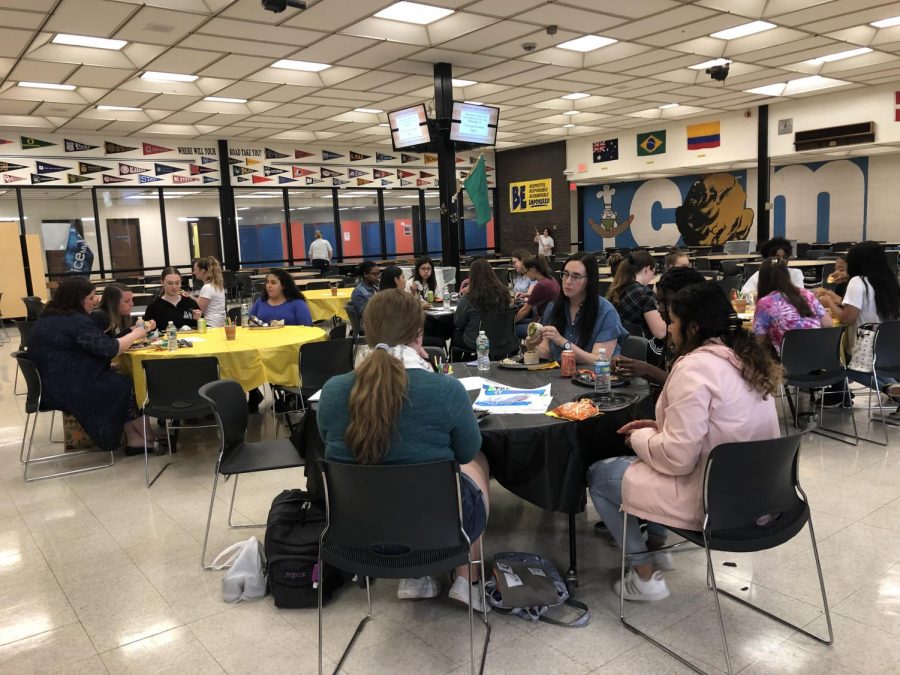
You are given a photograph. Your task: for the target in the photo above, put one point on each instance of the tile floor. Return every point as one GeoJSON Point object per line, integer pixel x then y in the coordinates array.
{"type": "Point", "coordinates": [99, 574]}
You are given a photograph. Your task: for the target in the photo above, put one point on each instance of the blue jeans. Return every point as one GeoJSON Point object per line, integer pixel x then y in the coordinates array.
{"type": "Point", "coordinates": [866, 379]}
{"type": "Point", "coordinates": [605, 485]}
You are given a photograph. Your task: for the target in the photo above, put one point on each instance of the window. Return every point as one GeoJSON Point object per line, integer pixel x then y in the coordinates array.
{"type": "Point", "coordinates": [312, 210]}
{"type": "Point", "coordinates": [262, 235]}
{"type": "Point", "coordinates": [59, 217]}
{"type": "Point", "coordinates": [130, 230]}
{"type": "Point", "coordinates": [401, 219]}
{"type": "Point", "coordinates": [193, 226]}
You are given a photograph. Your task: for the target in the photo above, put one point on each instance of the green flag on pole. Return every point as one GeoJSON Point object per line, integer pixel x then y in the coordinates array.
{"type": "Point", "coordinates": [477, 189]}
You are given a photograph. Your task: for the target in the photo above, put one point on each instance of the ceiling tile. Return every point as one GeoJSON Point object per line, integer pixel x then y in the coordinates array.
{"type": "Point", "coordinates": [235, 66]}
{"type": "Point", "coordinates": [89, 17]}
{"type": "Point", "coordinates": [247, 30]}
{"type": "Point", "coordinates": [187, 61]}
{"type": "Point", "coordinates": [456, 25]}
{"type": "Point", "coordinates": [381, 29]}
{"type": "Point", "coordinates": [272, 51]}
{"type": "Point", "coordinates": [39, 71]}
{"type": "Point", "coordinates": [679, 16]}
{"type": "Point", "coordinates": [496, 33]}
{"type": "Point", "coordinates": [13, 42]}
{"type": "Point", "coordinates": [379, 55]}
{"type": "Point", "coordinates": [94, 76]}
{"type": "Point", "coordinates": [158, 26]}
{"type": "Point", "coordinates": [325, 16]}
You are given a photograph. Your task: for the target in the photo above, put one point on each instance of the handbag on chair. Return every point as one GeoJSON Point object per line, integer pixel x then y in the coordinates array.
{"type": "Point", "coordinates": [863, 349]}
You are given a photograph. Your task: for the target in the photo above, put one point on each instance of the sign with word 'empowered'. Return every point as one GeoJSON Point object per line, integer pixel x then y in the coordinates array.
{"type": "Point", "coordinates": [531, 195]}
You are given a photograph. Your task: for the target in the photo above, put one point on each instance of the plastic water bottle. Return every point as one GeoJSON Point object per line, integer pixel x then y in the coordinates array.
{"type": "Point", "coordinates": [483, 347]}
{"type": "Point", "coordinates": [139, 323]}
{"type": "Point", "coordinates": [245, 315]}
{"type": "Point", "coordinates": [171, 337]}
{"type": "Point", "coordinates": [446, 296]}
{"type": "Point", "coordinates": [602, 383]}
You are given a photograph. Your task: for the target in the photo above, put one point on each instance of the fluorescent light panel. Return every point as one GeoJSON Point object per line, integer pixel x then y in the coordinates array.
{"type": "Point", "coordinates": [474, 102]}
{"type": "Point", "coordinates": [800, 86]}
{"type": "Point", "coordinates": [47, 85]}
{"type": "Point", "coordinates": [710, 64]}
{"type": "Point", "coordinates": [222, 99]}
{"type": "Point", "coordinates": [305, 66]}
{"type": "Point", "coordinates": [413, 12]}
{"type": "Point", "coordinates": [769, 90]}
{"type": "Point", "coordinates": [587, 43]}
{"type": "Point", "coordinates": [462, 83]}
{"type": "Point", "coordinates": [88, 41]}
{"type": "Point", "coordinates": [156, 76]}
{"type": "Point", "coordinates": [667, 106]}
{"type": "Point", "coordinates": [886, 23]}
{"type": "Point", "coordinates": [373, 111]}
{"type": "Point", "coordinates": [743, 30]}
{"type": "Point", "coordinates": [118, 107]}
{"type": "Point", "coordinates": [574, 97]}
{"type": "Point", "coordinates": [849, 54]}
{"type": "Point", "coordinates": [571, 112]}
{"type": "Point", "coordinates": [568, 126]}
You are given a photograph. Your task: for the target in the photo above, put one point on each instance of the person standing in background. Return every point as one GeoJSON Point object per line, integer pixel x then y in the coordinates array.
{"type": "Point", "coordinates": [320, 253]}
{"type": "Point", "coordinates": [212, 296]}
{"type": "Point", "coordinates": [545, 242]}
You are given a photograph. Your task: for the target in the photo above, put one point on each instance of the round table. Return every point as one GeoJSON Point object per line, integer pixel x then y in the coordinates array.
{"type": "Point", "coordinates": [254, 357]}
{"type": "Point", "coordinates": [323, 305]}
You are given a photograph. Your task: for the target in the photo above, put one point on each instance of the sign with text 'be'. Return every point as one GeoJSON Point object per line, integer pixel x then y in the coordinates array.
{"type": "Point", "coordinates": [531, 195]}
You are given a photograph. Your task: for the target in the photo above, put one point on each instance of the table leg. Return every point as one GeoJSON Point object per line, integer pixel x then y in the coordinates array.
{"type": "Point", "coordinates": [572, 574]}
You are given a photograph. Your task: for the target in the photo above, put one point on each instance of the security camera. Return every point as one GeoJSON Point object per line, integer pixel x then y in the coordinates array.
{"type": "Point", "coordinates": [529, 46]}
{"type": "Point", "coordinates": [552, 28]}
{"type": "Point", "coordinates": [718, 73]}
{"type": "Point", "coordinates": [279, 6]}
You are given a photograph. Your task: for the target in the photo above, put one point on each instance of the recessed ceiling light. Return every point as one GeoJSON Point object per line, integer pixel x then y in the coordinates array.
{"type": "Point", "coordinates": [849, 54]}
{"type": "Point", "coordinates": [463, 83]}
{"type": "Point", "coordinates": [568, 126]}
{"type": "Point", "coordinates": [223, 99]}
{"type": "Point", "coordinates": [886, 23]}
{"type": "Point", "coordinates": [413, 12]}
{"type": "Point", "coordinates": [155, 76]}
{"type": "Point", "coordinates": [373, 111]}
{"type": "Point", "coordinates": [88, 41]}
{"type": "Point", "coordinates": [743, 30]}
{"type": "Point", "coordinates": [571, 112]}
{"type": "Point", "coordinates": [574, 97]}
{"type": "Point", "coordinates": [710, 64]}
{"type": "Point", "coordinates": [47, 85]}
{"type": "Point", "coordinates": [384, 124]}
{"type": "Point", "coordinates": [667, 106]}
{"type": "Point", "coordinates": [474, 102]}
{"type": "Point", "coordinates": [306, 66]}
{"type": "Point", "coordinates": [769, 90]}
{"type": "Point", "coordinates": [798, 86]}
{"type": "Point", "coordinates": [118, 107]}
{"type": "Point", "coordinates": [587, 43]}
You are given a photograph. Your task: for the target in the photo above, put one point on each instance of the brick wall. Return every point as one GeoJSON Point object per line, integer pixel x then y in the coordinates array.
{"type": "Point", "coordinates": [532, 163]}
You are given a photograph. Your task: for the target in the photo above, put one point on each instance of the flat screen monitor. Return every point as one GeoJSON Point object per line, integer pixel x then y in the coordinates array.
{"type": "Point", "coordinates": [475, 124]}
{"type": "Point", "coordinates": [409, 127]}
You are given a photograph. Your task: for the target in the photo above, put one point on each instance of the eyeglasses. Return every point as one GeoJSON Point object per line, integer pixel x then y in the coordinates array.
{"type": "Point", "coordinates": [574, 277]}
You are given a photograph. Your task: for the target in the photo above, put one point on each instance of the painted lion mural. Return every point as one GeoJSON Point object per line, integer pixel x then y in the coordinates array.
{"type": "Point", "coordinates": [714, 211]}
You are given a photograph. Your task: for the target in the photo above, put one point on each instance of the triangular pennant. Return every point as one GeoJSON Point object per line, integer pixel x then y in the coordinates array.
{"type": "Point", "coordinates": [472, 160]}
{"type": "Point", "coordinates": [242, 179]}
{"type": "Point", "coordinates": [312, 181]}
{"type": "Point", "coordinates": [362, 181]}
{"type": "Point", "coordinates": [115, 148]}
{"type": "Point", "coordinates": [328, 155]}
{"type": "Point", "coordinates": [197, 169]}
{"type": "Point", "coordinates": [185, 179]}
{"type": "Point", "coordinates": [299, 172]}
{"type": "Point", "coordinates": [9, 178]}
{"type": "Point", "coordinates": [75, 146]}
{"type": "Point", "coordinates": [384, 158]}
{"type": "Point", "coordinates": [271, 154]}
{"type": "Point", "coordinates": [252, 162]}
{"type": "Point", "coordinates": [36, 178]}
{"type": "Point", "coordinates": [241, 170]}
{"type": "Point", "coordinates": [300, 154]}
{"type": "Point", "coordinates": [86, 168]}
{"type": "Point", "coordinates": [355, 173]}
{"type": "Point", "coordinates": [163, 169]}
{"type": "Point", "coordinates": [459, 160]}
{"type": "Point", "coordinates": [44, 167]}
{"type": "Point", "coordinates": [129, 170]}
{"type": "Point", "coordinates": [150, 149]}
{"type": "Point", "coordinates": [260, 179]}
{"type": "Point", "coordinates": [488, 168]}
{"type": "Point", "coordinates": [284, 179]}
{"type": "Point", "coordinates": [385, 181]}
{"type": "Point", "coordinates": [358, 157]}
{"type": "Point", "coordinates": [3, 141]}
{"type": "Point", "coordinates": [232, 161]}
{"type": "Point", "coordinates": [328, 173]}
{"type": "Point", "coordinates": [6, 166]}
{"type": "Point", "coordinates": [114, 179]}
{"type": "Point", "coordinates": [73, 178]}
{"type": "Point", "coordinates": [405, 182]}
{"type": "Point", "coordinates": [431, 159]}
{"type": "Point", "coordinates": [425, 174]}
{"type": "Point", "coordinates": [379, 173]}
{"type": "Point", "coordinates": [338, 181]}
{"type": "Point", "coordinates": [405, 174]}
{"type": "Point", "coordinates": [147, 179]}
{"type": "Point", "coordinates": [420, 182]}
{"type": "Point", "coordinates": [272, 171]}
{"type": "Point", "coordinates": [29, 143]}
{"type": "Point", "coordinates": [209, 179]}
{"type": "Point", "coordinates": [406, 159]}
{"type": "Point", "coordinates": [208, 160]}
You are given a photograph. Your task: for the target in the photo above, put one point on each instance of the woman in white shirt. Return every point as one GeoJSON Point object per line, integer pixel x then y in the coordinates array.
{"type": "Point", "coordinates": [212, 295]}
{"type": "Point", "coordinates": [545, 242]}
{"type": "Point", "coordinates": [320, 252]}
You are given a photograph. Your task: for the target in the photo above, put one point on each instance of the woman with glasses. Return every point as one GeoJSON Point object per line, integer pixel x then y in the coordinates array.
{"type": "Point", "coordinates": [579, 320]}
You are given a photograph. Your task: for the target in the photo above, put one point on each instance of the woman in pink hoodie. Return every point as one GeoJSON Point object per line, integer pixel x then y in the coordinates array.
{"type": "Point", "coordinates": [720, 390]}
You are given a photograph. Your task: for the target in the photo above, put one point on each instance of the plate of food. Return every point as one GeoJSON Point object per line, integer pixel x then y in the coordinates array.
{"type": "Point", "coordinates": [517, 363]}
{"type": "Point", "coordinates": [277, 323]}
{"type": "Point", "coordinates": [585, 378]}
{"type": "Point", "coordinates": [609, 402]}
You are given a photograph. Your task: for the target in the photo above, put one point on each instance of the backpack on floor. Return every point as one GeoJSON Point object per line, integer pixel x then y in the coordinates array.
{"type": "Point", "coordinates": [293, 528]}
{"type": "Point", "coordinates": [527, 585]}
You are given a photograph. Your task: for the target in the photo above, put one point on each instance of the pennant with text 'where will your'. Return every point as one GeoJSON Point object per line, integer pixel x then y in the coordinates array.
{"type": "Point", "coordinates": [651, 143]}
{"type": "Point", "coordinates": [606, 151]}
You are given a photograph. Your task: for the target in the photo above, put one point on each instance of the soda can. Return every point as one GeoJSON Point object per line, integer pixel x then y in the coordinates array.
{"type": "Point", "coordinates": [567, 367]}
{"type": "Point", "coordinates": [201, 325]}
{"type": "Point", "coordinates": [429, 296]}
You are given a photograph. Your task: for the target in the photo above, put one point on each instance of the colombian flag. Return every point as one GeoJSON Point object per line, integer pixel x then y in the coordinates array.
{"type": "Point", "coordinates": [704, 135]}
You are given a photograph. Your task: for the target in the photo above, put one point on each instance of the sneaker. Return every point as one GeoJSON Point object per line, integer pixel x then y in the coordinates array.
{"type": "Point", "coordinates": [895, 416]}
{"type": "Point", "coordinates": [459, 592]}
{"type": "Point", "coordinates": [892, 390]}
{"type": "Point", "coordinates": [417, 589]}
{"type": "Point", "coordinates": [663, 561]}
{"type": "Point", "coordinates": [639, 590]}
{"type": "Point", "coordinates": [835, 400]}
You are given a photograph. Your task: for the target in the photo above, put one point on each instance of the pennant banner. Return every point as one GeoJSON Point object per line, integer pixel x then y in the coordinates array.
{"type": "Point", "coordinates": [208, 160]}
{"type": "Point", "coordinates": [358, 157]}
{"type": "Point", "coordinates": [43, 167]}
{"type": "Point", "coordinates": [129, 170]}
{"type": "Point", "coordinates": [150, 149]}
{"type": "Point", "coordinates": [37, 178]}
{"type": "Point", "coordinates": [86, 168]}
{"type": "Point", "coordinates": [115, 148]}
{"type": "Point", "coordinates": [272, 171]}
{"type": "Point", "coordinates": [185, 179]}
{"type": "Point", "coordinates": [271, 154]}
{"type": "Point", "coordinates": [147, 179]}
{"type": "Point", "coordinates": [384, 158]}
{"type": "Point", "coordinates": [163, 169]}
{"type": "Point", "coordinates": [29, 143]}
{"type": "Point", "coordinates": [9, 178]}
{"type": "Point", "coordinates": [327, 155]}
{"type": "Point", "coordinates": [312, 181]}
{"type": "Point", "coordinates": [300, 154]}
{"type": "Point", "coordinates": [299, 172]}
{"type": "Point", "coordinates": [114, 179]}
{"type": "Point", "coordinates": [406, 159]}
{"type": "Point", "coordinates": [197, 169]}
{"type": "Point", "coordinates": [355, 173]}
{"type": "Point", "coordinates": [75, 146]}
{"type": "Point", "coordinates": [6, 166]}
{"type": "Point", "coordinates": [379, 173]}
{"type": "Point", "coordinates": [284, 179]}
{"type": "Point", "coordinates": [260, 179]}
{"type": "Point", "coordinates": [73, 178]}
{"type": "Point", "coordinates": [328, 173]}
{"type": "Point", "coordinates": [209, 179]}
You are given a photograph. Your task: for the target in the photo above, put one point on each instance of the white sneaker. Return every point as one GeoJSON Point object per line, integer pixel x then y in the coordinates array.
{"type": "Point", "coordinates": [663, 561]}
{"type": "Point", "coordinates": [459, 591]}
{"type": "Point", "coordinates": [418, 589]}
{"type": "Point", "coordinates": [639, 590]}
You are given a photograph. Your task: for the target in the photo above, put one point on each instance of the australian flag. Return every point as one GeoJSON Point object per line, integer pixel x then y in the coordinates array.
{"type": "Point", "coordinates": [79, 257]}
{"type": "Point", "coordinates": [606, 151]}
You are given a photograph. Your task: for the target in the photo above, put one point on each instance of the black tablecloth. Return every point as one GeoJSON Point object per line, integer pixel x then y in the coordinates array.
{"type": "Point", "coordinates": [543, 459]}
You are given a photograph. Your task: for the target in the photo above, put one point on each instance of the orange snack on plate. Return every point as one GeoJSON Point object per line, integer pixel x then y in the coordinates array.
{"type": "Point", "coordinates": [576, 410]}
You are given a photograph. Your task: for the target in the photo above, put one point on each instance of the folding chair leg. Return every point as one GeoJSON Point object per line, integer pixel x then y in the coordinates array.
{"type": "Point", "coordinates": [715, 590]}
{"type": "Point", "coordinates": [231, 509]}
{"type": "Point", "coordinates": [25, 456]}
{"type": "Point", "coordinates": [836, 434]}
{"type": "Point", "coordinates": [212, 502]}
{"type": "Point", "coordinates": [151, 481]}
{"type": "Point", "coordinates": [356, 633]}
{"type": "Point", "coordinates": [52, 420]}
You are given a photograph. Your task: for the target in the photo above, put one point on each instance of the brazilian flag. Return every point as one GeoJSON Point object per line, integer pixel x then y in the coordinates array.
{"type": "Point", "coordinates": [651, 143]}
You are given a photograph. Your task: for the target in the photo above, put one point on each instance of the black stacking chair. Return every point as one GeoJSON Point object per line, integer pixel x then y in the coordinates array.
{"type": "Point", "coordinates": [33, 307]}
{"type": "Point", "coordinates": [24, 328]}
{"type": "Point", "coordinates": [338, 331]}
{"type": "Point", "coordinates": [318, 362]}
{"type": "Point", "coordinates": [234, 313]}
{"type": "Point", "coordinates": [635, 347]}
{"type": "Point", "coordinates": [752, 501]}
{"type": "Point", "coordinates": [317, 285]}
{"type": "Point", "coordinates": [886, 361]}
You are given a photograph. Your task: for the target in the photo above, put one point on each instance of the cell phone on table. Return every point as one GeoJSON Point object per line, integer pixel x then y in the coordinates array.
{"type": "Point", "coordinates": [481, 414]}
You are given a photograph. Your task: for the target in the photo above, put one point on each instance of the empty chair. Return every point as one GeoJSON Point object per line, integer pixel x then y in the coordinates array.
{"type": "Point", "coordinates": [501, 333]}
{"type": "Point", "coordinates": [33, 307]}
{"type": "Point", "coordinates": [702, 264]}
{"type": "Point", "coordinates": [338, 331]}
{"type": "Point", "coordinates": [318, 362]}
{"type": "Point", "coordinates": [234, 315]}
{"type": "Point", "coordinates": [604, 286]}
{"type": "Point", "coordinates": [635, 347]}
{"type": "Point", "coordinates": [317, 285]}
{"type": "Point", "coordinates": [729, 284]}
{"type": "Point", "coordinates": [730, 268]}
{"type": "Point", "coordinates": [750, 268]}
{"type": "Point", "coordinates": [435, 354]}
{"type": "Point", "coordinates": [244, 284]}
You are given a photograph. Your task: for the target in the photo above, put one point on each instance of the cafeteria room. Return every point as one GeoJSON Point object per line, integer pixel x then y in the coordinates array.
{"type": "Point", "coordinates": [449, 336]}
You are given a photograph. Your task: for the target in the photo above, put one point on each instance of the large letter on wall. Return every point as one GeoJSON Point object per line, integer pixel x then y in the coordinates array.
{"type": "Point", "coordinates": [653, 207]}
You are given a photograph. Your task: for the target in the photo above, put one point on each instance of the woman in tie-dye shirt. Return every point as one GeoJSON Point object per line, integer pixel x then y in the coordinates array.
{"type": "Point", "coordinates": [782, 306]}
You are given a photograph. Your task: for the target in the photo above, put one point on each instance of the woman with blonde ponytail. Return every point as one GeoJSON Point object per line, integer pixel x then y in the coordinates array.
{"type": "Point", "coordinates": [212, 296]}
{"type": "Point", "coordinates": [394, 409]}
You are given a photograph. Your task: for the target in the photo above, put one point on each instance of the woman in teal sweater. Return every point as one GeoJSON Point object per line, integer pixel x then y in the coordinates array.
{"type": "Point", "coordinates": [394, 409]}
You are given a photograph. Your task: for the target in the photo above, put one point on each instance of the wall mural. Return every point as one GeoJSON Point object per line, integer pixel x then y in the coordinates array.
{"type": "Point", "coordinates": [714, 211]}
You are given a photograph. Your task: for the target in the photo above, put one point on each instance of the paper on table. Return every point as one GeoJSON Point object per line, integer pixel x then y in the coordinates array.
{"type": "Point", "coordinates": [500, 400]}
{"type": "Point", "coordinates": [475, 383]}
{"type": "Point", "coordinates": [314, 397]}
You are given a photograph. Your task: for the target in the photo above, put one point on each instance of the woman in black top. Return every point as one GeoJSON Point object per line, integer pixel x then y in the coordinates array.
{"type": "Point", "coordinates": [486, 294]}
{"type": "Point", "coordinates": [173, 305]}
{"type": "Point", "coordinates": [633, 298]}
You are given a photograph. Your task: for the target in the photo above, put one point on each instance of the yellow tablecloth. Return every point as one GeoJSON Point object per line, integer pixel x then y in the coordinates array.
{"type": "Point", "coordinates": [253, 358]}
{"type": "Point", "coordinates": [323, 305]}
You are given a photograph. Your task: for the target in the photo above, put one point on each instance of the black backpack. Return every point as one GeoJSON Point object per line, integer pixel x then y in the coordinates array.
{"type": "Point", "coordinates": [293, 528]}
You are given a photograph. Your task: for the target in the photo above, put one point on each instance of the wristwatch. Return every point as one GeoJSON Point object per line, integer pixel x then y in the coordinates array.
{"type": "Point", "coordinates": [567, 346]}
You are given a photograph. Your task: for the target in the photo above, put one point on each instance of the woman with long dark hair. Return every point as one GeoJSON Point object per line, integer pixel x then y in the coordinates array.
{"type": "Point", "coordinates": [579, 319]}
{"type": "Point", "coordinates": [283, 301]}
{"type": "Point", "coordinates": [113, 316]}
{"type": "Point", "coordinates": [522, 283]}
{"type": "Point", "coordinates": [394, 409]}
{"type": "Point", "coordinates": [721, 389]}
{"type": "Point", "coordinates": [422, 279]}
{"type": "Point", "coordinates": [486, 294]}
{"type": "Point", "coordinates": [782, 306]}
{"type": "Point", "coordinates": [632, 296]}
{"type": "Point", "coordinates": [392, 278]}
{"type": "Point", "coordinates": [544, 291]}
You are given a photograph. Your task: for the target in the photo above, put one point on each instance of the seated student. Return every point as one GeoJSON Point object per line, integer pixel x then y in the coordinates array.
{"type": "Point", "coordinates": [721, 389]}
{"type": "Point", "coordinates": [422, 279]}
{"type": "Point", "coordinates": [677, 259]}
{"type": "Point", "coordinates": [367, 287]}
{"type": "Point", "coordinates": [174, 304]}
{"type": "Point", "coordinates": [782, 306]}
{"type": "Point", "coordinates": [393, 409]}
{"type": "Point", "coordinates": [544, 291]}
{"type": "Point", "coordinates": [392, 277]}
{"type": "Point", "coordinates": [283, 301]}
{"type": "Point", "coordinates": [633, 298]}
{"type": "Point", "coordinates": [776, 247]}
{"type": "Point", "coordinates": [486, 294]}
{"type": "Point", "coordinates": [113, 315]}
{"type": "Point", "coordinates": [835, 284]}
{"type": "Point", "coordinates": [579, 319]}
{"type": "Point", "coordinates": [522, 283]}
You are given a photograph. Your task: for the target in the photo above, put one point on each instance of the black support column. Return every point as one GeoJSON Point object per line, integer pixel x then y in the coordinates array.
{"type": "Point", "coordinates": [226, 211]}
{"type": "Point", "coordinates": [763, 230]}
{"type": "Point", "coordinates": [443, 109]}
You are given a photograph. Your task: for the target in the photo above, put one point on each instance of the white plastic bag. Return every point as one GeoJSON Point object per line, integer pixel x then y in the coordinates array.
{"type": "Point", "coordinates": [245, 578]}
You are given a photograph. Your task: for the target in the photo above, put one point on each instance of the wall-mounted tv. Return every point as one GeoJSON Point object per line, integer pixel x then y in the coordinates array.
{"type": "Point", "coordinates": [474, 124]}
{"type": "Point", "coordinates": [409, 127]}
